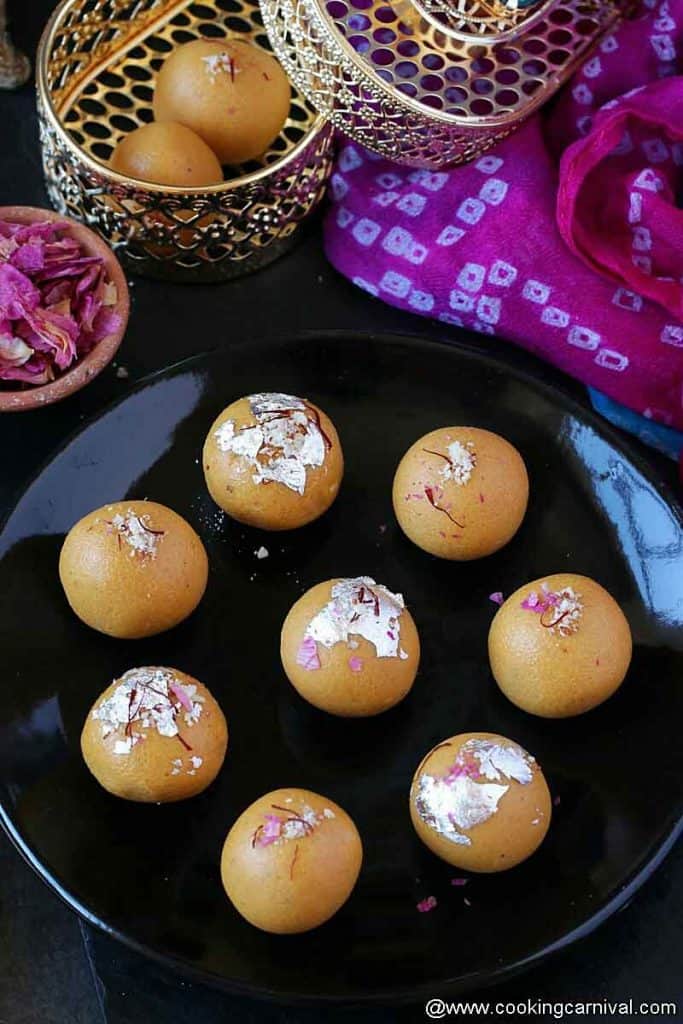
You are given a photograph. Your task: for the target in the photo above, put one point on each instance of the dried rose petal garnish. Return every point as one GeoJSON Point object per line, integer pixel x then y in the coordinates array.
{"type": "Point", "coordinates": [356, 664]}
{"type": "Point", "coordinates": [178, 691]}
{"type": "Point", "coordinates": [497, 597]}
{"type": "Point", "coordinates": [459, 881]}
{"type": "Point", "coordinates": [55, 301]}
{"type": "Point", "coordinates": [558, 610]}
{"type": "Point", "coordinates": [270, 831]}
{"type": "Point", "coordinates": [307, 654]}
{"type": "Point", "coordinates": [427, 904]}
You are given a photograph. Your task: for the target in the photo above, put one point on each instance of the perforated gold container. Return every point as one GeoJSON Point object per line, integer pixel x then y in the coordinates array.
{"type": "Point", "coordinates": [95, 73]}
{"type": "Point", "coordinates": [482, 21]}
{"type": "Point", "coordinates": [401, 85]}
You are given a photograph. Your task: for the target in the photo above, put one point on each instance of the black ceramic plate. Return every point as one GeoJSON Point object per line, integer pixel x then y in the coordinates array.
{"type": "Point", "coordinates": [149, 875]}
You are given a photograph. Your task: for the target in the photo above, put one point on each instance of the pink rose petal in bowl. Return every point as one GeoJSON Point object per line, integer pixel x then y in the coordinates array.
{"type": "Point", "coordinates": [52, 336]}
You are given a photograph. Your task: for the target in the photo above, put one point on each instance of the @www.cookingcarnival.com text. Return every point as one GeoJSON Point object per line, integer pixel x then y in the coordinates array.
{"type": "Point", "coordinates": [440, 1009]}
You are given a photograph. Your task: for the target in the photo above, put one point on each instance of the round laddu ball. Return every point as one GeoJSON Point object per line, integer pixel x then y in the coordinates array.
{"type": "Point", "coordinates": [155, 735]}
{"type": "Point", "coordinates": [460, 492]}
{"type": "Point", "coordinates": [350, 647]}
{"type": "Point", "coordinates": [559, 646]}
{"type": "Point", "coordinates": [290, 861]}
{"type": "Point", "coordinates": [480, 802]}
{"type": "Point", "coordinates": [133, 569]}
{"type": "Point", "coordinates": [273, 461]}
{"type": "Point", "coordinates": [167, 154]}
{"type": "Point", "coordinates": [233, 94]}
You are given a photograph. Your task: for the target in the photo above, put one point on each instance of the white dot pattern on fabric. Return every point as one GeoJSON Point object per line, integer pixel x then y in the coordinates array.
{"type": "Point", "coordinates": [488, 309]}
{"type": "Point", "coordinates": [503, 274]}
{"type": "Point", "coordinates": [471, 277]}
{"type": "Point", "coordinates": [433, 181]}
{"type": "Point", "coordinates": [611, 360]}
{"type": "Point", "coordinates": [627, 300]}
{"type": "Point", "coordinates": [471, 211]}
{"type": "Point", "coordinates": [642, 239]}
{"type": "Point", "coordinates": [413, 204]}
{"type": "Point", "coordinates": [344, 217]}
{"type": "Point", "coordinates": [663, 46]}
{"type": "Point", "coordinates": [477, 246]}
{"type": "Point", "coordinates": [493, 191]}
{"type": "Point", "coordinates": [422, 301]}
{"type": "Point", "coordinates": [386, 198]}
{"type": "Point", "coordinates": [554, 317]}
{"type": "Point", "coordinates": [400, 242]}
{"type": "Point", "coordinates": [388, 181]}
{"type": "Point", "coordinates": [449, 318]}
{"type": "Point", "coordinates": [643, 263]}
{"type": "Point", "coordinates": [450, 235]}
{"type": "Point", "coordinates": [489, 164]}
{"type": "Point", "coordinates": [583, 337]}
{"type": "Point", "coordinates": [672, 334]}
{"type": "Point", "coordinates": [649, 180]}
{"type": "Point", "coordinates": [592, 68]}
{"type": "Point", "coordinates": [483, 328]}
{"type": "Point", "coordinates": [535, 291]}
{"type": "Point", "coordinates": [582, 94]}
{"type": "Point", "coordinates": [635, 207]}
{"type": "Point", "coordinates": [367, 286]}
{"type": "Point", "coordinates": [460, 301]}
{"type": "Point", "coordinates": [656, 151]}
{"type": "Point", "coordinates": [395, 284]}
{"type": "Point", "coordinates": [339, 186]}
{"type": "Point", "coordinates": [349, 159]}
{"type": "Point", "coordinates": [365, 231]}
{"type": "Point", "coordinates": [397, 241]}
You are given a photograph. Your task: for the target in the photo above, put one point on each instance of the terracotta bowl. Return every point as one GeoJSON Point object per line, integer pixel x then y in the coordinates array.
{"type": "Point", "coordinates": [82, 371]}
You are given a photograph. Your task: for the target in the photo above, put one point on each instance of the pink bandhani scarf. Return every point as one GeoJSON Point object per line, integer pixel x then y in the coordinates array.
{"type": "Point", "coordinates": [565, 238]}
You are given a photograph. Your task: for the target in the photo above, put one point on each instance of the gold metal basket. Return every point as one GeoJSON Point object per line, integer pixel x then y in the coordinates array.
{"type": "Point", "coordinates": [95, 72]}
{"type": "Point", "coordinates": [482, 21]}
{"type": "Point", "coordinates": [394, 82]}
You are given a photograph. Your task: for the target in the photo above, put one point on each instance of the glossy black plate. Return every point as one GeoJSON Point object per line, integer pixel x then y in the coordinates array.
{"type": "Point", "coordinates": [149, 875]}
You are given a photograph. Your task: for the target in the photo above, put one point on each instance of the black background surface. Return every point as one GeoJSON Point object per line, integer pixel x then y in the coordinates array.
{"type": "Point", "coordinates": [52, 968]}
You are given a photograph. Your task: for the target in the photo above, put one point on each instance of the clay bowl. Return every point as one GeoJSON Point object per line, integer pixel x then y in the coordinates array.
{"type": "Point", "coordinates": [86, 368]}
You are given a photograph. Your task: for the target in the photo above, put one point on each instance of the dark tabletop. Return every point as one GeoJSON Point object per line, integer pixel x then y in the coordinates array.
{"type": "Point", "coordinates": [53, 968]}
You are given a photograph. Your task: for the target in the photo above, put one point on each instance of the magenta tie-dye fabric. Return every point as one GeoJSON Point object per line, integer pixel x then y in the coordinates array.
{"type": "Point", "coordinates": [566, 238]}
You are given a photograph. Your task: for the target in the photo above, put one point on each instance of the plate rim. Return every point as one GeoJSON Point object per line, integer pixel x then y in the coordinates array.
{"type": "Point", "coordinates": [467, 344]}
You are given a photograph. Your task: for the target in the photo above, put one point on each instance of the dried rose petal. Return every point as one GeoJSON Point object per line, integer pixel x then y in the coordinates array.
{"type": "Point", "coordinates": [459, 881]}
{"type": "Point", "coordinates": [270, 832]}
{"type": "Point", "coordinates": [178, 691]}
{"type": "Point", "coordinates": [496, 597]}
{"type": "Point", "coordinates": [307, 654]}
{"type": "Point", "coordinates": [356, 664]}
{"type": "Point", "coordinates": [424, 906]}
{"type": "Point", "coordinates": [54, 301]}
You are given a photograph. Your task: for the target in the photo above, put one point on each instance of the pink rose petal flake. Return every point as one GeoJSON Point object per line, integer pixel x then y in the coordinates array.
{"type": "Point", "coordinates": [269, 832]}
{"type": "Point", "coordinates": [307, 654]}
{"type": "Point", "coordinates": [356, 664]}
{"type": "Point", "coordinates": [427, 904]}
{"type": "Point", "coordinates": [55, 302]}
{"type": "Point", "coordinates": [497, 597]}
{"type": "Point", "coordinates": [181, 695]}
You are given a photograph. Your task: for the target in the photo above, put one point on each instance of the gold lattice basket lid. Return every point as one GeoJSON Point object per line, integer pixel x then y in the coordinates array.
{"type": "Point", "coordinates": [482, 21]}
{"type": "Point", "coordinates": [397, 82]}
